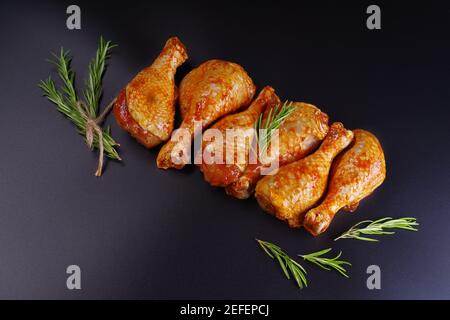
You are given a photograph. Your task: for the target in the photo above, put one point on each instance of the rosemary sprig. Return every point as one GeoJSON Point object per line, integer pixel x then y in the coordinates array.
{"type": "Point", "coordinates": [84, 114]}
{"type": "Point", "coordinates": [286, 262]}
{"type": "Point", "coordinates": [93, 91]}
{"type": "Point", "coordinates": [272, 122]}
{"type": "Point", "coordinates": [327, 263]}
{"type": "Point", "coordinates": [378, 227]}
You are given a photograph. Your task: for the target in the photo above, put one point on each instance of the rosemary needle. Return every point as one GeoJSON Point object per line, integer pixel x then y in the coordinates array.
{"type": "Point", "coordinates": [377, 227]}
{"type": "Point", "coordinates": [287, 264]}
{"type": "Point", "coordinates": [327, 263]}
{"type": "Point", "coordinates": [265, 128]}
{"type": "Point", "coordinates": [84, 114]}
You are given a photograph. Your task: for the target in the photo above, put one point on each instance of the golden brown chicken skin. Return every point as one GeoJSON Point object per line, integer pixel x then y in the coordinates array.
{"type": "Point", "coordinates": [355, 174]}
{"type": "Point", "coordinates": [210, 91]}
{"type": "Point", "coordinates": [299, 135]}
{"type": "Point", "coordinates": [146, 106]}
{"type": "Point", "coordinates": [236, 146]}
{"type": "Point", "coordinates": [299, 185]}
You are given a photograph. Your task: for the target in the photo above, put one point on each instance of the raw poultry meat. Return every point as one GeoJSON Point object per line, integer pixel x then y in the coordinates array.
{"type": "Point", "coordinates": [299, 185]}
{"type": "Point", "coordinates": [210, 91]}
{"type": "Point", "coordinates": [231, 138]}
{"type": "Point", "coordinates": [146, 106]}
{"type": "Point", "coordinates": [299, 135]}
{"type": "Point", "coordinates": [355, 174]}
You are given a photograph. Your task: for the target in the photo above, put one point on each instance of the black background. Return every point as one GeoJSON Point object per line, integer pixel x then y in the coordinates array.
{"type": "Point", "coordinates": [139, 232]}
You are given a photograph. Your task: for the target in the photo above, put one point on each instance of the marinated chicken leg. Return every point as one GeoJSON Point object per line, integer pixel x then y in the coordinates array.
{"type": "Point", "coordinates": [299, 135]}
{"type": "Point", "coordinates": [355, 174]}
{"type": "Point", "coordinates": [233, 144]}
{"type": "Point", "coordinates": [146, 106]}
{"type": "Point", "coordinates": [208, 92]}
{"type": "Point", "coordinates": [299, 185]}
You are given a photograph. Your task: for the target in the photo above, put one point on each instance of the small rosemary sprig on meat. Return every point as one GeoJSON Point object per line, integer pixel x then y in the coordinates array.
{"type": "Point", "coordinates": [84, 114]}
{"type": "Point", "coordinates": [266, 126]}
{"type": "Point", "coordinates": [378, 227]}
{"type": "Point", "coordinates": [286, 262]}
{"type": "Point", "coordinates": [327, 263]}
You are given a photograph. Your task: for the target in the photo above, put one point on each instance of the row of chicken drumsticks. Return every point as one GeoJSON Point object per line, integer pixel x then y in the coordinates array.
{"type": "Point", "coordinates": [323, 168]}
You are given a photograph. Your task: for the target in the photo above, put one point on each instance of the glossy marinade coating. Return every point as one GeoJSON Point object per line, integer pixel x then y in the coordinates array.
{"type": "Point", "coordinates": [355, 174]}
{"type": "Point", "coordinates": [299, 135]}
{"type": "Point", "coordinates": [146, 106]}
{"type": "Point", "coordinates": [299, 185]}
{"type": "Point", "coordinates": [235, 148]}
{"type": "Point", "coordinates": [210, 91]}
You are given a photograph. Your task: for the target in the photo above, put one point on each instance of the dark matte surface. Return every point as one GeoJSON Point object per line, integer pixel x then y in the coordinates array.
{"type": "Point", "coordinates": [139, 232]}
